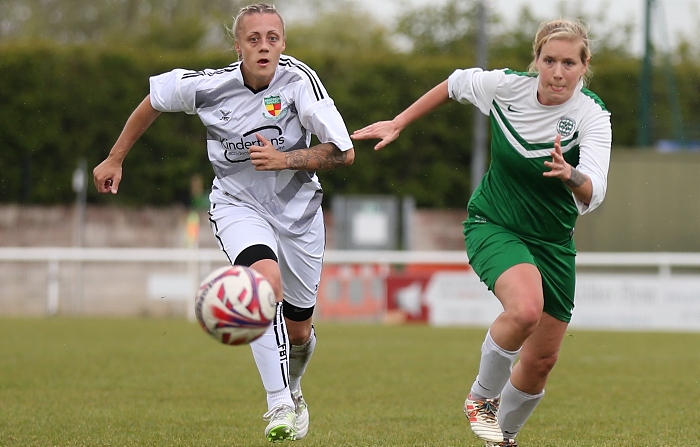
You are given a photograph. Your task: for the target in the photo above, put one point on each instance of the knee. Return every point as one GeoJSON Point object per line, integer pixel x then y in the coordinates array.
{"type": "Point", "coordinates": [540, 366]}
{"type": "Point", "coordinates": [299, 322]}
{"type": "Point", "coordinates": [527, 316]}
{"type": "Point", "coordinates": [270, 270]}
{"type": "Point", "coordinates": [298, 333]}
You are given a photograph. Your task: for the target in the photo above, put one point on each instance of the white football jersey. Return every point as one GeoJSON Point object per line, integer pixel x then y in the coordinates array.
{"type": "Point", "coordinates": [293, 107]}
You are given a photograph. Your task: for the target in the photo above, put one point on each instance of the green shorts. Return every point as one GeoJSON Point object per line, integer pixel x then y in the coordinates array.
{"type": "Point", "coordinates": [493, 249]}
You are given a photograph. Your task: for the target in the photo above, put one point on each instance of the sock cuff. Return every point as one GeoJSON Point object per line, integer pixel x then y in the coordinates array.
{"type": "Point", "coordinates": [278, 397]}
{"type": "Point", "coordinates": [492, 344]}
{"type": "Point", "coordinates": [304, 346]}
{"type": "Point", "coordinates": [524, 395]}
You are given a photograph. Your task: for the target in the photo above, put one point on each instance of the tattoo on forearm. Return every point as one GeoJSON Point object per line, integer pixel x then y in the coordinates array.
{"type": "Point", "coordinates": [323, 156]}
{"type": "Point", "coordinates": [577, 179]}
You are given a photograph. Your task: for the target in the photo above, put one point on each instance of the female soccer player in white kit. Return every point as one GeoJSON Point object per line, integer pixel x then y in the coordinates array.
{"type": "Point", "coordinates": [260, 113]}
{"type": "Point", "coordinates": [550, 153]}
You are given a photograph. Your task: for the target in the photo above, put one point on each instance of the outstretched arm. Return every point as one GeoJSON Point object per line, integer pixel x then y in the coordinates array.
{"type": "Point", "coordinates": [108, 174]}
{"type": "Point", "coordinates": [388, 131]}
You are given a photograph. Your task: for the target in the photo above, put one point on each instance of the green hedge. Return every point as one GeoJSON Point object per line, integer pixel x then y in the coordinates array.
{"type": "Point", "coordinates": [58, 105]}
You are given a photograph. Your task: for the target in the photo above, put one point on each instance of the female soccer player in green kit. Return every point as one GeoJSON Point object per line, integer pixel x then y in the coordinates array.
{"type": "Point", "coordinates": [550, 153]}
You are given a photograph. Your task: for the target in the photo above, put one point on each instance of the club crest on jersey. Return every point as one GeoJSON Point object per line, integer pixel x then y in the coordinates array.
{"type": "Point", "coordinates": [273, 108]}
{"type": "Point", "coordinates": [566, 126]}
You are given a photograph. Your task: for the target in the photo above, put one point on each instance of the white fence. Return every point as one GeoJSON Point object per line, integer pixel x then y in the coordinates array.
{"type": "Point", "coordinates": [657, 291]}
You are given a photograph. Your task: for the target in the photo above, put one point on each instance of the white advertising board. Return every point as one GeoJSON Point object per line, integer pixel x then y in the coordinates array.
{"type": "Point", "coordinates": [603, 301]}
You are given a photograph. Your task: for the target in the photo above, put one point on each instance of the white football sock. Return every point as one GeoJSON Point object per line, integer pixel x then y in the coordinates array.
{"type": "Point", "coordinates": [494, 369]}
{"type": "Point", "coordinates": [515, 409]}
{"type": "Point", "coordinates": [270, 354]}
{"type": "Point", "coordinates": [299, 357]}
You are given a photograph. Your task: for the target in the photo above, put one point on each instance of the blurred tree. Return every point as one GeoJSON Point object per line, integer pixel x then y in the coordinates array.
{"type": "Point", "coordinates": [175, 24]}
{"type": "Point", "coordinates": [340, 34]}
{"type": "Point", "coordinates": [451, 29]}
{"type": "Point", "coordinates": [446, 29]}
{"type": "Point", "coordinates": [182, 24]}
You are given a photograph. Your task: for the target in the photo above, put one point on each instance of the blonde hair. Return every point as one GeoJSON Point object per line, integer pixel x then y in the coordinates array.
{"type": "Point", "coordinates": [257, 8]}
{"type": "Point", "coordinates": [564, 30]}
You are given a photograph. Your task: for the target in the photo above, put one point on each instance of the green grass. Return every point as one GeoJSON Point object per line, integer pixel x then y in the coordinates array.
{"type": "Point", "coordinates": [76, 382]}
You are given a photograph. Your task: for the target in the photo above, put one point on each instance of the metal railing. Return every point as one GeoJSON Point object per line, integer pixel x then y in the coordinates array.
{"type": "Point", "coordinates": [126, 281]}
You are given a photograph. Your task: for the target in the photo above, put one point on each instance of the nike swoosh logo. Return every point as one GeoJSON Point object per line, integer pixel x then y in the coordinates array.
{"type": "Point", "coordinates": [482, 386]}
{"type": "Point", "coordinates": [511, 109]}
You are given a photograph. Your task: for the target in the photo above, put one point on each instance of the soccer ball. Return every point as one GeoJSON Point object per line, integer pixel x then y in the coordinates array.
{"type": "Point", "coordinates": [235, 305]}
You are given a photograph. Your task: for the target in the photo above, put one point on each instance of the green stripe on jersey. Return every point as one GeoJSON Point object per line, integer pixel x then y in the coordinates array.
{"type": "Point", "coordinates": [529, 146]}
{"type": "Point", "coordinates": [594, 97]}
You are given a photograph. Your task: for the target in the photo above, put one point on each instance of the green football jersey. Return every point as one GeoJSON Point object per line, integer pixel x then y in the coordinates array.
{"type": "Point", "coordinates": [514, 193]}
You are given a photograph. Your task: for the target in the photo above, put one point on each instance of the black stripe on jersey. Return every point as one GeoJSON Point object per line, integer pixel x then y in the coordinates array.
{"type": "Point", "coordinates": [193, 74]}
{"type": "Point", "coordinates": [315, 82]}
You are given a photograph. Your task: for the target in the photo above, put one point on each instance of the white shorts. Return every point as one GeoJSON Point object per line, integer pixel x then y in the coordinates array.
{"type": "Point", "coordinates": [238, 227]}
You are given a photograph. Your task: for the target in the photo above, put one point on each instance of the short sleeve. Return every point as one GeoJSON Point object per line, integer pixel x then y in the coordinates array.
{"type": "Point", "coordinates": [174, 91]}
{"type": "Point", "coordinates": [474, 86]}
{"type": "Point", "coordinates": [328, 125]}
{"type": "Point", "coordinates": [318, 113]}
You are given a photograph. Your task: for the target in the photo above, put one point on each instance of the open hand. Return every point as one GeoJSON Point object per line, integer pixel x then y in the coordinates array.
{"type": "Point", "coordinates": [559, 168]}
{"type": "Point", "coordinates": [386, 131]}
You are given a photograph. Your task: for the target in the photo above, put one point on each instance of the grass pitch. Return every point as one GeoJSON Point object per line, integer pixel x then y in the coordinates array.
{"type": "Point", "coordinates": [141, 382]}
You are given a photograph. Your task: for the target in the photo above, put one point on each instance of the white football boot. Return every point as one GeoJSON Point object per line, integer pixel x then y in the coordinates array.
{"type": "Point", "coordinates": [283, 421]}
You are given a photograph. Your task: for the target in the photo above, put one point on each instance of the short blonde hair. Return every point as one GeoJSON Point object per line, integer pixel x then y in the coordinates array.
{"type": "Point", "coordinates": [564, 30]}
{"type": "Point", "coordinates": [257, 8]}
